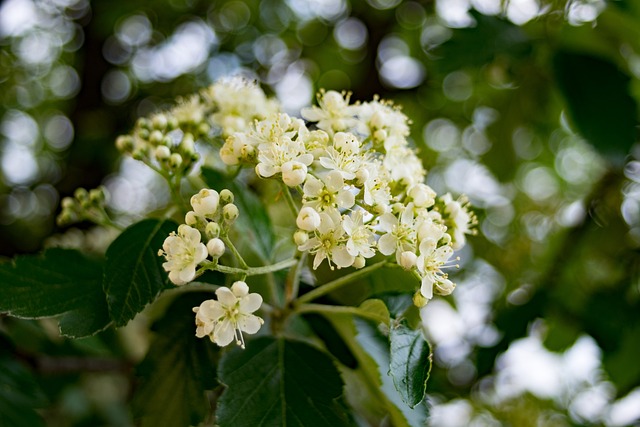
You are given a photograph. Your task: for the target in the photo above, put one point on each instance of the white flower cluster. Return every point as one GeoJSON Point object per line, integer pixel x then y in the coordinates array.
{"type": "Point", "coordinates": [227, 318]}
{"type": "Point", "coordinates": [212, 215]}
{"type": "Point", "coordinates": [361, 187]}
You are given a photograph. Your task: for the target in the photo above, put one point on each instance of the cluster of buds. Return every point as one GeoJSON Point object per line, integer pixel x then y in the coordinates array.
{"type": "Point", "coordinates": [84, 206]}
{"type": "Point", "coordinates": [162, 144]}
{"type": "Point", "coordinates": [360, 185]}
{"type": "Point", "coordinates": [212, 215]}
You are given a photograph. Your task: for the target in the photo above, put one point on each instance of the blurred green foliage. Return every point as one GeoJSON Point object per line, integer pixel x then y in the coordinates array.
{"type": "Point", "coordinates": [531, 108]}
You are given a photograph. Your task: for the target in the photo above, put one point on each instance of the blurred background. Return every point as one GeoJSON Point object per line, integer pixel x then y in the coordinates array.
{"type": "Point", "coordinates": [527, 106]}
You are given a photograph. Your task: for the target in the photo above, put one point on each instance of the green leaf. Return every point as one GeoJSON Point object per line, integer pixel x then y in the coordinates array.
{"type": "Point", "coordinates": [597, 95]}
{"type": "Point", "coordinates": [133, 274]}
{"type": "Point", "coordinates": [59, 281]}
{"type": "Point", "coordinates": [277, 382]}
{"type": "Point", "coordinates": [410, 363]}
{"type": "Point", "coordinates": [253, 219]}
{"type": "Point", "coordinates": [19, 395]}
{"type": "Point", "coordinates": [177, 369]}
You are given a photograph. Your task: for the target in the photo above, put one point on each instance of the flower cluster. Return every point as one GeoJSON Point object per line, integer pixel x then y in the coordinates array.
{"type": "Point", "coordinates": [84, 205]}
{"type": "Point", "coordinates": [360, 185]}
{"type": "Point", "coordinates": [224, 320]}
{"type": "Point", "coordinates": [212, 215]}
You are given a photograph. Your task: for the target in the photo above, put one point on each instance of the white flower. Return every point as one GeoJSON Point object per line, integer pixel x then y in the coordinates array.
{"type": "Point", "coordinates": [383, 119]}
{"type": "Point", "coordinates": [328, 242]}
{"type": "Point", "coordinates": [237, 148]}
{"type": "Point", "coordinates": [216, 248]}
{"type": "Point", "coordinates": [402, 163]}
{"type": "Point", "coordinates": [183, 252]}
{"type": "Point", "coordinates": [458, 218]}
{"type": "Point", "coordinates": [308, 219]}
{"type": "Point", "coordinates": [227, 318]}
{"type": "Point", "coordinates": [205, 203]}
{"type": "Point", "coordinates": [400, 233]}
{"type": "Point", "coordinates": [328, 194]}
{"type": "Point", "coordinates": [430, 263]}
{"type": "Point", "coordinates": [334, 113]}
{"type": "Point", "coordinates": [361, 239]}
{"type": "Point", "coordinates": [344, 156]}
{"type": "Point", "coordinates": [422, 195]}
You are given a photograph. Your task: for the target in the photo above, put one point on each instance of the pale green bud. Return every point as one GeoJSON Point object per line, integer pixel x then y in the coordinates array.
{"type": "Point", "coordinates": [230, 212]}
{"type": "Point", "coordinates": [175, 160]}
{"type": "Point", "coordinates": [212, 230]}
{"type": "Point", "coordinates": [419, 300]}
{"type": "Point", "coordinates": [156, 137]}
{"type": "Point", "coordinates": [359, 262]}
{"type": "Point", "coordinates": [159, 121]}
{"type": "Point", "coordinates": [216, 248]}
{"type": "Point", "coordinates": [162, 153]}
{"type": "Point", "coordinates": [226, 196]}
{"type": "Point", "coordinates": [300, 237]}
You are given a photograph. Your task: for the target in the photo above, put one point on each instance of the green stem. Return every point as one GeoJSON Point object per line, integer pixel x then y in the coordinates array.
{"type": "Point", "coordinates": [335, 284]}
{"type": "Point", "coordinates": [290, 202]}
{"type": "Point", "coordinates": [339, 309]}
{"type": "Point", "coordinates": [235, 252]}
{"type": "Point", "coordinates": [292, 284]}
{"type": "Point", "coordinates": [248, 271]}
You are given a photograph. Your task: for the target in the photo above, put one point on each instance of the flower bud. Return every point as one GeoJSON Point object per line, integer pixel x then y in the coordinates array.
{"type": "Point", "coordinates": [359, 262]}
{"type": "Point", "coordinates": [230, 212]}
{"type": "Point", "coordinates": [308, 219]}
{"type": "Point", "coordinates": [419, 300]}
{"type": "Point", "coordinates": [81, 195]}
{"type": "Point", "coordinates": [346, 142]}
{"type": "Point", "coordinates": [216, 248]}
{"type": "Point", "coordinates": [226, 196]}
{"type": "Point", "coordinates": [423, 196]}
{"type": "Point", "coordinates": [68, 203]}
{"type": "Point", "coordinates": [300, 237]}
{"type": "Point", "coordinates": [190, 218]}
{"type": "Point", "coordinates": [124, 143]}
{"type": "Point", "coordinates": [205, 202]}
{"type": "Point", "coordinates": [162, 153]}
{"type": "Point", "coordinates": [408, 260]}
{"type": "Point", "coordinates": [159, 121]}
{"type": "Point", "coordinates": [380, 135]}
{"type": "Point", "coordinates": [187, 145]}
{"type": "Point", "coordinates": [143, 123]}
{"type": "Point", "coordinates": [156, 137]}
{"type": "Point", "coordinates": [212, 230]}
{"type": "Point", "coordinates": [97, 195]}
{"type": "Point", "coordinates": [227, 154]}
{"type": "Point", "coordinates": [175, 160]}
{"type": "Point", "coordinates": [293, 173]}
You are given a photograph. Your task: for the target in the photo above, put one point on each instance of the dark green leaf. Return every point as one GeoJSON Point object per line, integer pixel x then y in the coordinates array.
{"type": "Point", "coordinates": [598, 99]}
{"type": "Point", "coordinates": [59, 281]}
{"type": "Point", "coordinates": [277, 382]}
{"type": "Point", "coordinates": [410, 363]}
{"type": "Point", "coordinates": [253, 219]}
{"type": "Point", "coordinates": [332, 340]}
{"type": "Point", "coordinates": [177, 370]}
{"type": "Point", "coordinates": [19, 394]}
{"type": "Point", "coordinates": [133, 274]}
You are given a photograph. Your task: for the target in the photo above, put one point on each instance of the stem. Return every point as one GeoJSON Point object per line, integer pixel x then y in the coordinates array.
{"type": "Point", "coordinates": [339, 309]}
{"type": "Point", "coordinates": [235, 252]}
{"type": "Point", "coordinates": [292, 284]}
{"type": "Point", "coordinates": [248, 271]}
{"type": "Point", "coordinates": [290, 202]}
{"type": "Point", "coordinates": [335, 284]}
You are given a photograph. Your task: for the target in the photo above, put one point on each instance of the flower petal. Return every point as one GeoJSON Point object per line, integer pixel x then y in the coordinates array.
{"type": "Point", "coordinates": [250, 303]}
{"type": "Point", "coordinates": [226, 297]}
{"type": "Point", "coordinates": [249, 323]}
{"type": "Point", "coordinates": [223, 333]}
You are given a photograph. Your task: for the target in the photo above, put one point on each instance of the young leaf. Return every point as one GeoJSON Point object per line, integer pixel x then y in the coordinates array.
{"type": "Point", "coordinates": [277, 382]}
{"type": "Point", "coordinates": [410, 363]}
{"type": "Point", "coordinates": [133, 274]}
{"type": "Point", "coordinates": [253, 218]}
{"type": "Point", "coordinates": [59, 281]}
{"type": "Point", "coordinates": [177, 370]}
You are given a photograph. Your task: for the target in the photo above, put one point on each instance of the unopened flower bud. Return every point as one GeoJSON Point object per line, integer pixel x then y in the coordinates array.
{"type": "Point", "coordinates": [124, 143]}
{"type": "Point", "coordinates": [228, 156]}
{"type": "Point", "coordinates": [162, 152]}
{"type": "Point", "coordinates": [143, 123]}
{"type": "Point", "coordinates": [408, 260]}
{"type": "Point", "coordinates": [143, 134]}
{"type": "Point", "coordinates": [172, 123]}
{"type": "Point", "coordinates": [190, 218]}
{"type": "Point", "coordinates": [97, 195]}
{"type": "Point", "coordinates": [346, 142]}
{"type": "Point", "coordinates": [205, 202]}
{"type": "Point", "coordinates": [226, 196]}
{"type": "Point", "coordinates": [187, 144]}
{"type": "Point", "coordinates": [203, 128]}
{"type": "Point", "coordinates": [300, 237]}
{"type": "Point", "coordinates": [230, 212]}
{"type": "Point", "coordinates": [216, 248]}
{"type": "Point", "coordinates": [293, 173]}
{"type": "Point", "coordinates": [359, 262]}
{"type": "Point", "coordinates": [159, 121]}
{"type": "Point", "coordinates": [81, 195]}
{"type": "Point", "coordinates": [68, 203]}
{"type": "Point", "coordinates": [308, 219]}
{"type": "Point", "coordinates": [423, 196]}
{"type": "Point", "coordinates": [175, 160]}
{"type": "Point", "coordinates": [212, 230]}
{"type": "Point", "coordinates": [156, 137]}
{"type": "Point", "coordinates": [419, 300]}
{"type": "Point", "coordinates": [380, 135]}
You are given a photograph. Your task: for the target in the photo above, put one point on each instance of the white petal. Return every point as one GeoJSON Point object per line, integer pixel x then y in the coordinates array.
{"type": "Point", "coordinates": [342, 258]}
{"type": "Point", "coordinates": [201, 253]}
{"type": "Point", "coordinates": [387, 244]}
{"type": "Point", "coordinates": [346, 199]}
{"type": "Point", "coordinates": [334, 181]}
{"type": "Point", "coordinates": [312, 186]}
{"type": "Point", "coordinates": [250, 303]}
{"type": "Point", "coordinates": [249, 324]}
{"type": "Point", "coordinates": [223, 333]}
{"type": "Point", "coordinates": [226, 297]}
{"type": "Point", "coordinates": [188, 273]}
{"type": "Point", "coordinates": [265, 170]}
{"type": "Point", "coordinates": [426, 289]}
